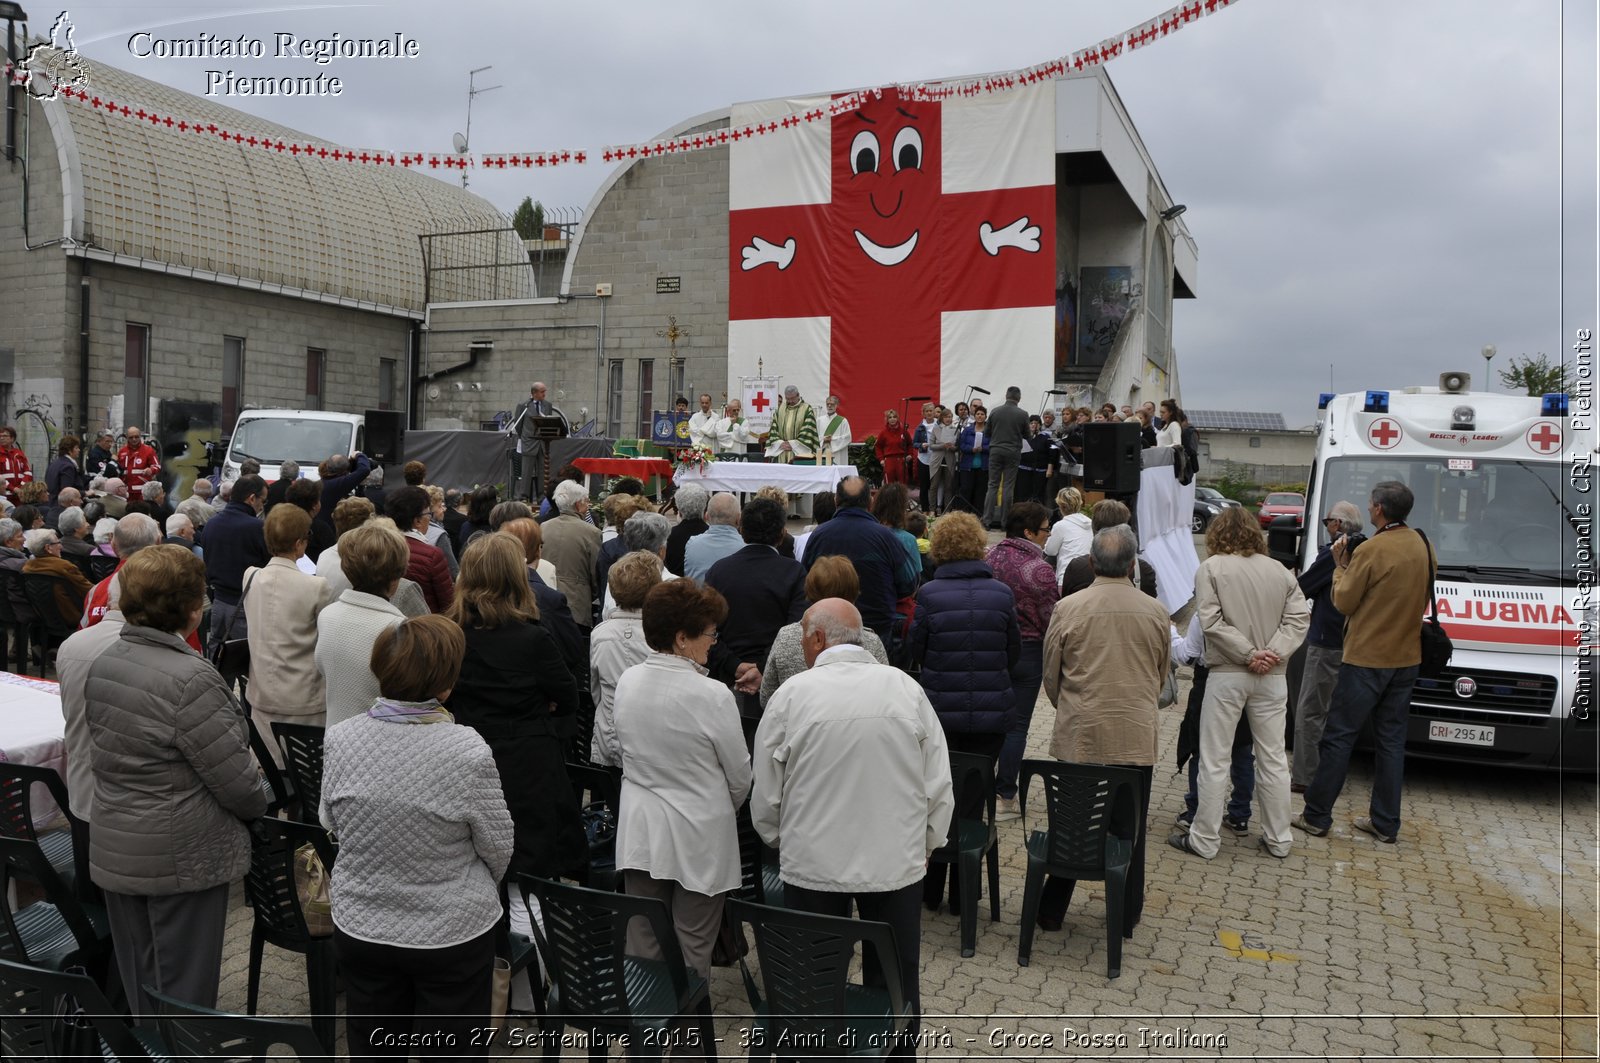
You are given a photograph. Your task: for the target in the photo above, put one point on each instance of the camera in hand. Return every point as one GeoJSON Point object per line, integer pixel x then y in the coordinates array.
{"type": "Point", "coordinates": [1353, 540]}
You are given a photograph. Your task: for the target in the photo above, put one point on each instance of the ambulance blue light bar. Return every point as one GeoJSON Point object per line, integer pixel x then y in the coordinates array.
{"type": "Point", "coordinates": [1323, 399]}
{"type": "Point", "coordinates": [1554, 404]}
{"type": "Point", "coordinates": [1377, 402]}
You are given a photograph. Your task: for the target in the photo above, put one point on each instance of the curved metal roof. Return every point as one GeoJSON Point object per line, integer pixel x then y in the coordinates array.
{"type": "Point", "coordinates": [334, 230]}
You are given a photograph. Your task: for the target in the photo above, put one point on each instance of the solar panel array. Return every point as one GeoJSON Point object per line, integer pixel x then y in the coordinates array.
{"type": "Point", "coordinates": [1238, 420]}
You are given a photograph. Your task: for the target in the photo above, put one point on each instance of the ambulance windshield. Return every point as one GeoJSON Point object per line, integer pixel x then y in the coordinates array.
{"type": "Point", "coordinates": [1491, 521]}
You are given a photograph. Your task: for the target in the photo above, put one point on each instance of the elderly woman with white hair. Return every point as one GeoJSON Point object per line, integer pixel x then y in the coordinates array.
{"type": "Point", "coordinates": [691, 501]}
{"type": "Point", "coordinates": [104, 529]}
{"type": "Point", "coordinates": [644, 533]}
{"type": "Point", "coordinates": [70, 585]}
{"type": "Point", "coordinates": [74, 529]}
{"type": "Point", "coordinates": [572, 544]}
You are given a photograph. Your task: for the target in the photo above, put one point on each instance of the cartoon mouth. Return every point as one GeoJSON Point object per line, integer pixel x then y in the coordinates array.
{"type": "Point", "coordinates": [887, 256]}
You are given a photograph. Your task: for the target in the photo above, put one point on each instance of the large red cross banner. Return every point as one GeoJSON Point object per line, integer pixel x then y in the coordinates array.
{"type": "Point", "coordinates": [905, 247]}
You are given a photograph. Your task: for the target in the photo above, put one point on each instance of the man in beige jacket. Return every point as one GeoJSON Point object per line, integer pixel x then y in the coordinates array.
{"type": "Point", "coordinates": [1105, 654]}
{"type": "Point", "coordinates": [1254, 618]}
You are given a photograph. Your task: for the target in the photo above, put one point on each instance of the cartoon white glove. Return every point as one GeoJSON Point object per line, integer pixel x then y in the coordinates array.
{"type": "Point", "coordinates": [1018, 234]}
{"type": "Point", "coordinates": [761, 253]}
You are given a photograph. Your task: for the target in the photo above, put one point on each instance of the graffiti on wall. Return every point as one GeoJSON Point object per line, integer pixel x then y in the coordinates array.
{"type": "Point", "coordinates": [37, 433]}
{"type": "Point", "coordinates": [186, 428]}
{"type": "Point", "coordinates": [1107, 296]}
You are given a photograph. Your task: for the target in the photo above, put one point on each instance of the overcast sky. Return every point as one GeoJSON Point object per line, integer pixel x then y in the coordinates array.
{"type": "Point", "coordinates": [1374, 185]}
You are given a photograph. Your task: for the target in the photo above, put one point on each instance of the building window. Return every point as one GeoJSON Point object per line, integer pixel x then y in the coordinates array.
{"type": "Point", "coordinates": [614, 399]}
{"type": "Point", "coordinates": [316, 358]}
{"type": "Point", "coordinates": [1158, 300]}
{"type": "Point", "coordinates": [135, 373]}
{"type": "Point", "coordinates": [1255, 441]}
{"type": "Point", "coordinates": [647, 395]}
{"type": "Point", "coordinates": [232, 380]}
{"type": "Point", "coordinates": [386, 375]}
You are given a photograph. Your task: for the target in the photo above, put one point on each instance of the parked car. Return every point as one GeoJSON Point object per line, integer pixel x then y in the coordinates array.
{"type": "Point", "coordinates": [1282, 504]}
{"type": "Point", "coordinates": [1208, 504]}
{"type": "Point", "coordinates": [1215, 497]}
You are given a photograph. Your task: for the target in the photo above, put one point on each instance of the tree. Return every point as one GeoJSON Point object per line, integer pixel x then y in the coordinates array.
{"type": "Point", "coordinates": [1536, 375]}
{"type": "Point", "coordinates": [529, 219]}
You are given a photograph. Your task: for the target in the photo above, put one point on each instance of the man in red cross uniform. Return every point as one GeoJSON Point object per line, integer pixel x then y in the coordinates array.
{"type": "Point", "coordinates": [138, 460]}
{"type": "Point", "coordinates": [14, 468]}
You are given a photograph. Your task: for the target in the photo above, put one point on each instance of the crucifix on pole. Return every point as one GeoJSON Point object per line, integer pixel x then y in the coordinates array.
{"type": "Point", "coordinates": [672, 334]}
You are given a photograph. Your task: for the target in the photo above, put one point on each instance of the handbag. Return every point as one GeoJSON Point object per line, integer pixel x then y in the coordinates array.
{"type": "Point", "coordinates": [72, 1033]}
{"type": "Point", "coordinates": [311, 888]}
{"type": "Point", "coordinates": [500, 992]}
{"type": "Point", "coordinates": [1436, 645]}
{"type": "Point", "coordinates": [229, 655]}
{"type": "Point", "coordinates": [1169, 688]}
{"type": "Point", "coordinates": [731, 945]}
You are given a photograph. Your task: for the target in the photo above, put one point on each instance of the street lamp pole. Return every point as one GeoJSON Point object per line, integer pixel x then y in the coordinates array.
{"type": "Point", "coordinates": [1488, 366]}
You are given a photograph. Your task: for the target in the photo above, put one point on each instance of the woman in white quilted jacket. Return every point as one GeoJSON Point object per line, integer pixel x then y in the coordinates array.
{"type": "Point", "coordinates": [424, 840]}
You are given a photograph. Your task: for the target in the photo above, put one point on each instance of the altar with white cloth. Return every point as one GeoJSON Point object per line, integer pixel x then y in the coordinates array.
{"type": "Point", "coordinates": [1166, 538]}
{"type": "Point", "coordinates": [751, 476]}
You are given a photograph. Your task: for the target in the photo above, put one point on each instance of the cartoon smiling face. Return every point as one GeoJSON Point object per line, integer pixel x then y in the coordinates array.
{"type": "Point", "coordinates": [886, 174]}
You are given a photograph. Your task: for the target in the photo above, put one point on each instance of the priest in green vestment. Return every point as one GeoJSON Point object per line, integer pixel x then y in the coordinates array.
{"type": "Point", "coordinates": [794, 425]}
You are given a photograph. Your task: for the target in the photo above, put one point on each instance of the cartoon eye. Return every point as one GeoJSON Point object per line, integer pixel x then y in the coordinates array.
{"type": "Point", "coordinates": [908, 149]}
{"type": "Point", "coordinates": [864, 153]}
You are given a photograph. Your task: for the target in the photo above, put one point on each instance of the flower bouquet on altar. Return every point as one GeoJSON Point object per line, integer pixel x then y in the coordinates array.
{"type": "Point", "coordinates": [696, 457]}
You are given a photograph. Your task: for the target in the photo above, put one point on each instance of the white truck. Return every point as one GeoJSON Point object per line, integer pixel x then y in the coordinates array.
{"type": "Point", "coordinates": [1503, 492]}
{"type": "Point", "coordinates": [272, 437]}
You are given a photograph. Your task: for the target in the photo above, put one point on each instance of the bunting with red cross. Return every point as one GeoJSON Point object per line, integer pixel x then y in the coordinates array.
{"type": "Point", "coordinates": [738, 132]}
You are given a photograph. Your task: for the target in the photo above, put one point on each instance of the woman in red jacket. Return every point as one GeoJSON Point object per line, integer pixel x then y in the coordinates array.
{"type": "Point", "coordinates": [893, 448]}
{"type": "Point", "coordinates": [412, 510]}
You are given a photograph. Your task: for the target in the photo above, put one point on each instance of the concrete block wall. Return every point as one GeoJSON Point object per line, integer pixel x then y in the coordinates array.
{"type": "Point", "coordinates": [664, 217]}
{"type": "Point", "coordinates": [547, 340]}
{"type": "Point", "coordinates": [38, 325]}
{"type": "Point", "coordinates": [188, 320]}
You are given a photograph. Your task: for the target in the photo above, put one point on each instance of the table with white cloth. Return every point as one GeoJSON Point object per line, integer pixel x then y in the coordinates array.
{"type": "Point", "coordinates": [33, 731]}
{"type": "Point", "coordinates": [1166, 538]}
{"type": "Point", "coordinates": [751, 476]}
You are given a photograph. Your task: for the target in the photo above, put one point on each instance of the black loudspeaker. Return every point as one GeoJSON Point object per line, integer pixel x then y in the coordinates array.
{"type": "Point", "coordinates": [386, 437]}
{"type": "Point", "coordinates": [1111, 461]}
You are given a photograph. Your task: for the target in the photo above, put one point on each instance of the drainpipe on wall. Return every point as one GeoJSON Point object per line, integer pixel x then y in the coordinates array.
{"type": "Point", "coordinates": [13, 14]}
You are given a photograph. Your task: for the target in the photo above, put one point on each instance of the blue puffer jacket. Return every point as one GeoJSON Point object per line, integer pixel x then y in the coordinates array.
{"type": "Point", "coordinates": [967, 639]}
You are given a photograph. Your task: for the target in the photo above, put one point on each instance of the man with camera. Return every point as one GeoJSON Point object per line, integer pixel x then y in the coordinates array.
{"type": "Point", "coordinates": [1382, 589]}
{"type": "Point", "coordinates": [1324, 643]}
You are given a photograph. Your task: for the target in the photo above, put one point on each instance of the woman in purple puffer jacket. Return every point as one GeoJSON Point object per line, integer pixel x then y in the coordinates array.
{"type": "Point", "coordinates": [1018, 562]}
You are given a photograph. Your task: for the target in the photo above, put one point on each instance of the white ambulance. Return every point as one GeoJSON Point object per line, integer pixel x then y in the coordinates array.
{"type": "Point", "coordinates": [1503, 491]}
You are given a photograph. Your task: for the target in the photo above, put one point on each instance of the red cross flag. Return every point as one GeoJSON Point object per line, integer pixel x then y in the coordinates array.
{"type": "Point", "coordinates": [759, 395]}
{"type": "Point", "coordinates": [901, 247]}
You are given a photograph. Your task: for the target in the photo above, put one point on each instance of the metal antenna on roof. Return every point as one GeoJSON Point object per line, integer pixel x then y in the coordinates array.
{"type": "Point", "coordinates": [463, 141]}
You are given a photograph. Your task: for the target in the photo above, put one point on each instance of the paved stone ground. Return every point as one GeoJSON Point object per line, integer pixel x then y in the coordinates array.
{"type": "Point", "coordinates": [1475, 936]}
{"type": "Point", "coordinates": [1471, 937]}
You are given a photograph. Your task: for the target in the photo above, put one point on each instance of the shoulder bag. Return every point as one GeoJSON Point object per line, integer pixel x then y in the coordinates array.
{"type": "Point", "coordinates": [229, 655]}
{"type": "Point", "coordinates": [1436, 645]}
